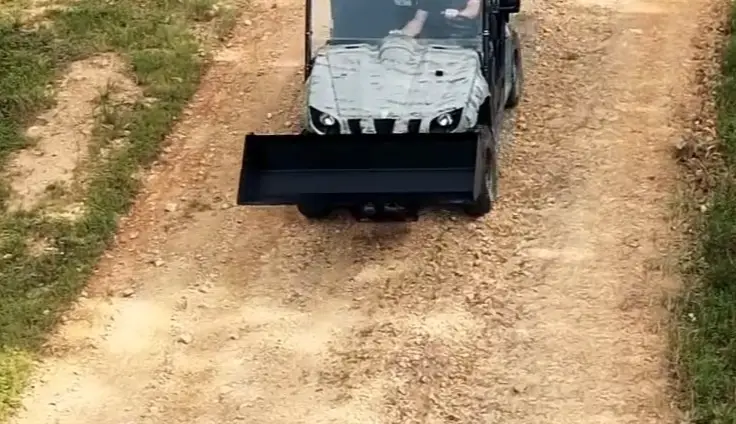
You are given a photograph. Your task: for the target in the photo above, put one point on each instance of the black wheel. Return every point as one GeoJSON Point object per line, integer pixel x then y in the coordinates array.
{"type": "Point", "coordinates": [489, 191]}
{"type": "Point", "coordinates": [517, 80]}
{"type": "Point", "coordinates": [314, 210]}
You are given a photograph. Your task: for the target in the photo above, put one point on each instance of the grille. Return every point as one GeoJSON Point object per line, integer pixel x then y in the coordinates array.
{"type": "Point", "coordinates": [384, 126]}
{"type": "Point", "coordinates": [354, 125]}
{"type": "Point", "coordinates": [414, 125]}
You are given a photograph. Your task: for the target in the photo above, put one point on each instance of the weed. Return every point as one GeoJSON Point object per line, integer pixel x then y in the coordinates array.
{"type": "Point", "coordinates": [154, 37]}
{"type": "Point", "coordinates": [707, 331]}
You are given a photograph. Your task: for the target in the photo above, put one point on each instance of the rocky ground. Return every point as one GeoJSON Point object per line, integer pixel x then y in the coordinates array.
{"type": "Point", "coordinates": [548, 310]}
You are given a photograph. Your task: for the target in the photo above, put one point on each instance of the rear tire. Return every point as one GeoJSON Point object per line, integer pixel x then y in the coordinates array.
{"type": "Point", "coordinates": [489, 190]}
{"type": "Point", "coordinates": [313, 210]}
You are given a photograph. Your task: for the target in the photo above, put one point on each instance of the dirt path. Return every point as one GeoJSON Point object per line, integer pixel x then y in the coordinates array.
{"type": "Point", "coordinates": [547, 311]}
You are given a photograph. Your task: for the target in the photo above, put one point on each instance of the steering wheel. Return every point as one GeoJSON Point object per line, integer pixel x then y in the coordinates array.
{"type": "Point", "coordinates": [397, 33]}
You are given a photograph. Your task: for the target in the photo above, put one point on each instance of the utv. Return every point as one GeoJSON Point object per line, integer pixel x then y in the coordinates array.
{"type": "Point", "coordinates": [392, 124]}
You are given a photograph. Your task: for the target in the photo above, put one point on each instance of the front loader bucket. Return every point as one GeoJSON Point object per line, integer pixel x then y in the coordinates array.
{"type": "Point", "coordinates": [347, 169]}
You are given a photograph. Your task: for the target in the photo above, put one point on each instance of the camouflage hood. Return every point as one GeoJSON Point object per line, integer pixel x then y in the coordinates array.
{"type": "Point", "coordinates": [400, 79]}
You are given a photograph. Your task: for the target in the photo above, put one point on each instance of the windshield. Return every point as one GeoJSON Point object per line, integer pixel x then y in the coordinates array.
{"type": "Point", "coordinates": [371, 21]}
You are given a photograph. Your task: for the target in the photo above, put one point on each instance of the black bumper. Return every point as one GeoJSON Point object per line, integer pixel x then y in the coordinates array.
{"type": "Point", "coordinates": [345, 170]}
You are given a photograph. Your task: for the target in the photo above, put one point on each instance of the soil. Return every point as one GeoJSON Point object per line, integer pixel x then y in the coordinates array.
{"type": "Point", "coordinates": [548, 310]}
{"type": "Point", "coordinates": [61, 136]}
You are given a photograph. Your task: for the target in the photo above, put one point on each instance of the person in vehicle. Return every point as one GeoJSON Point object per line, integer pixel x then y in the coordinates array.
{"type": "Point", "coordinates": [440, 17]}
{"type": "Point", "coordinates": [368, 19]}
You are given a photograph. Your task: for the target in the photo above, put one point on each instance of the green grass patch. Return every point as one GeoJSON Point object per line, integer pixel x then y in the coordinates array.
{"type": "Point", "coordinates": [154, 37]}
{"type": "Point", "coordinates": [707, 329]}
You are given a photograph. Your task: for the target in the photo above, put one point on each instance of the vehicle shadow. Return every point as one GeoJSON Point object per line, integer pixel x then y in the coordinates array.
{"type": "Point", "coordinates": [341, 239]}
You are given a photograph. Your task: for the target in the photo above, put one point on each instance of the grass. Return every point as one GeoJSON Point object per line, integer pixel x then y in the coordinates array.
{"type": "Point", "coordinates": [707, 330]}
{"type": "Point", "coordinates": [154, 37]}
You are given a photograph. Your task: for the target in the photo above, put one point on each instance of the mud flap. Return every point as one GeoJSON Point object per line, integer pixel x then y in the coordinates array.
{"type": "Point", "coordinates": [421, 169]}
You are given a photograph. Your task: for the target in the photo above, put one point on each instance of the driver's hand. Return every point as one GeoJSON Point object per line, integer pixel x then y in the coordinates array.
{"type": "Point", "coordinates": [451, 13]}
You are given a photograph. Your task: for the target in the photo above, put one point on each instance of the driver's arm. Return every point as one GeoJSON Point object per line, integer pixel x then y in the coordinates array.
{"type": "Point", "coordinates": [415, 25]}
{"type": "Point", "coordinates": [472, 9]}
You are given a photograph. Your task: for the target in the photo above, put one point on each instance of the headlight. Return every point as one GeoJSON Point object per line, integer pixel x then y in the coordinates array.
{"type": "Point", "coordinates": [327, 120]}
{"type": "Point", "coordinates": [446, 122]}
{"type": "Point", "coordinates": [323, 122]}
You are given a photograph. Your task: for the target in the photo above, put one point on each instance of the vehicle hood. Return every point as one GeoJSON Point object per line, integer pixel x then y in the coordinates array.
{"type": "Point", "coordinates": [395, 81]}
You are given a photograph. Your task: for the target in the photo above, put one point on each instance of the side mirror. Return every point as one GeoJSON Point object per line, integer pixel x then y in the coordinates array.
{"type": "Point", "coordinates": [510, 6]}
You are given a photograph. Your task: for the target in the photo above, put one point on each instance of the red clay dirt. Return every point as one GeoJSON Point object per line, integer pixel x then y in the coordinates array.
{"type": "Point", "coordinates": [546, 311]}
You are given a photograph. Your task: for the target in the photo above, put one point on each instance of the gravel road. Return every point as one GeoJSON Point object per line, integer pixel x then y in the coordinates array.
{"type": "Point", "coordinates": [547, 311]}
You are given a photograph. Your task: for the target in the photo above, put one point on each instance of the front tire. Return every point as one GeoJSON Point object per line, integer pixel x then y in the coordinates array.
{"type": "Point", "coordinates": [483, 205]}
{"type": "Point", "coordinates": [313, 210]}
